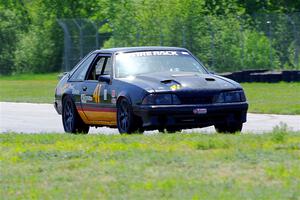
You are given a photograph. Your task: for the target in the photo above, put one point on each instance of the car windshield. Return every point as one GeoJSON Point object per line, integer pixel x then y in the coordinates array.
{"type": "Point", "coordinates": [135, 63]}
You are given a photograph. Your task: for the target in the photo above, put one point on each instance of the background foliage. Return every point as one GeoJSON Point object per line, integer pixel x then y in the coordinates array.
{"type": "Point", "coordinates": [32, 41]}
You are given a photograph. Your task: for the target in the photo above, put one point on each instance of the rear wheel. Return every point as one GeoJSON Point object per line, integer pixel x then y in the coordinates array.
{"type": "Point", "coordinates": [71, 119]}
{"type": "Point", "coordinates": [126, 121]}
{"type": "Point", "coordinates": [229, 128]}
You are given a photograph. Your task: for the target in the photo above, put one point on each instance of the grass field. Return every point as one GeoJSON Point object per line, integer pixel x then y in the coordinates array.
{"type": "Point", "coordinates": [162, 166]}
{"type": "Point", "coordinates": [28, 88]}
{"type": "Point", "coordinates": [278, 98]}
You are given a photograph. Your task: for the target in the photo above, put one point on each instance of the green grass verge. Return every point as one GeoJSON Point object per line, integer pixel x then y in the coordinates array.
{"type": "Point", "coordinates": [163, 166]}
{"type": "Point", "coordinates": [278, 98]}
{"type": "Point", "coordinates": [275, 98]}
{"type": "Point", "coordinates": [23, 77]}
{"type": "Point", "coordinates": [38, 88]}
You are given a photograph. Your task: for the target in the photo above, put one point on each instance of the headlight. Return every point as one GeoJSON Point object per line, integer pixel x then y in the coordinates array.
{"type": "Point", "coordinates": [232, 96]}
{"type": "Point", "coordinates": [161, 99]}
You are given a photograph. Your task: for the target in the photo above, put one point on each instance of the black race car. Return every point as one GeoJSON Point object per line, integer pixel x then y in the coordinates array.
{"type": "Point", "coordinates": [147, 88]}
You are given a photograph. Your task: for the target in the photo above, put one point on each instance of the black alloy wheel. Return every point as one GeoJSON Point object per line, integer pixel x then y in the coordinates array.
{"type": "Point", "coordinates": [125, 118]}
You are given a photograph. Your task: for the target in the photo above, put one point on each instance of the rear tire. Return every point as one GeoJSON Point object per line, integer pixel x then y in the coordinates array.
{"type": "Point", "coordinates": [71, 120]}
{"type": "Point", "coordinates": [229, 128]}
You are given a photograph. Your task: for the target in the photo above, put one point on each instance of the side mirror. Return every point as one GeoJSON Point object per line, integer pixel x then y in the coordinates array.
{"type": "Point", "coordinates": [104, 78]}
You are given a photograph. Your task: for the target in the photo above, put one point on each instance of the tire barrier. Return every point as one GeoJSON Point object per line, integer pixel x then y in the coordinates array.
{"type": "Point", "coordinates": [264, 76]}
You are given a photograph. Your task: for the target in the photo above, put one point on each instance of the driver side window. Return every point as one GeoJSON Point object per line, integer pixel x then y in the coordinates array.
{"type": "Point", "coordinates": [101, 66]}
{"type": "Point", "coordinates": [108, 66]}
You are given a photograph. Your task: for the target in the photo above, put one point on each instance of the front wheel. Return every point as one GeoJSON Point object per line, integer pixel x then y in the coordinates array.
{"type": "Point", "coordinates": [71, 119]}
{"type": "Point", "coordinates": [229, 128]}
{"type": "Point", "coordinates": [125, 117]}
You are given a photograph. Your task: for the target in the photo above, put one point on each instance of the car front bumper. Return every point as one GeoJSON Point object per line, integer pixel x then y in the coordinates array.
{"type": "Point", "coordinates": [183, 116]}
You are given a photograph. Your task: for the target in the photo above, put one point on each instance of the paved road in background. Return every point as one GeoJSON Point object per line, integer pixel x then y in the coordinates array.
{"type": "Point", "coordinates": [42, 118]}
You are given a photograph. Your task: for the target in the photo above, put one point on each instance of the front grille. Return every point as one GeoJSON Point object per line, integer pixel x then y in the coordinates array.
{"type": "Point", "coordinates": [197, 100]}
{"type": "Point", "coordinates": [197, 97]}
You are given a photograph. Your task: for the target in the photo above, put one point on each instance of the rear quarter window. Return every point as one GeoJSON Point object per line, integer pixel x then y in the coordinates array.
{"type": "Point", "coordinates": [81, 71]}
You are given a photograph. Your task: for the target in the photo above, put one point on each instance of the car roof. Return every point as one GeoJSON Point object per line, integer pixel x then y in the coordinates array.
{"type": "Point", "coordinates": [134, 49]}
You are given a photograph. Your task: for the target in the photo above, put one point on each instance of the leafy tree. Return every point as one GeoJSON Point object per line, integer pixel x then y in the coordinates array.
{"type": "Point", "coordinates": [32, 41]}
{"type": "Point", "coordinates": [8, 34]}
{"type": "Point", "coordinates": [34, 52]}
{"type": "Point", "coordinates": [13, 21]}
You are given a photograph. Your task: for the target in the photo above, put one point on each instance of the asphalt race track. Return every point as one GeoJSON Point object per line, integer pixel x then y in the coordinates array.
{"type": "Point", "coordinates": [42, 118]}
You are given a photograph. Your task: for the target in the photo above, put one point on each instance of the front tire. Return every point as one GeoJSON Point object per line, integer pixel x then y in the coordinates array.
{"type": "Point", "coordinates": [229, 128]}
{"type": "Point", "coordinates": [126, 121]}
{"type": "Point", "coordinates": [71, 120]}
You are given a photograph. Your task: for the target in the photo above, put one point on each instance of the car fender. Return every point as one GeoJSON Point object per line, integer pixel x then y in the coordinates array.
{"type": "Point", "coordinates": [124, 94]}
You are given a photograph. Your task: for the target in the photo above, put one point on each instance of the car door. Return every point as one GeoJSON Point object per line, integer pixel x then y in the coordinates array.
{"type": "Point", "coordinates": [96, 95]}
{"type": "Point", "coordinates": [76, 80]}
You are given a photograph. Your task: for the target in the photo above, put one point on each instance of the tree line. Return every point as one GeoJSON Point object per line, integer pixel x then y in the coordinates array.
{"type": "Point", "coordinates": [226, 35]}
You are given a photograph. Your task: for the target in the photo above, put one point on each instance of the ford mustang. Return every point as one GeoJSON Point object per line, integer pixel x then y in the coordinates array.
{"type": "Point", "coordinates": [147, 88]}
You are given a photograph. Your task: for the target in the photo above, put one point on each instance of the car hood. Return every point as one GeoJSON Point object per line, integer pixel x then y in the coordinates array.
{"type": "Point", "coordinates": [170, 81]}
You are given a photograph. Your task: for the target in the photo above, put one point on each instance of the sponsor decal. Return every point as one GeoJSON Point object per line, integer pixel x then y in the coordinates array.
{"type": "Point", "coordinates": [89, 98]}
{"type": "Point", "coordinates": [154, 53]}
{"type": "Point", "coordinates": [84, 98]}
{"type": "Point", "coordinates": [105, 94]}
{"type": "Point", "coordinates": [113, 93]}
{"type": "Point", "coordinates": [175, 87]}
{"type": "Point", "coordinates": [113, 100]}
{"type": "Point", "coordinates": [199, 111]}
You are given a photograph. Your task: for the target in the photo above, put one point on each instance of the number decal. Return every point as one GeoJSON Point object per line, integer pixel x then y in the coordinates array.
{"type": "Point", "coordinates": [96, 94]}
